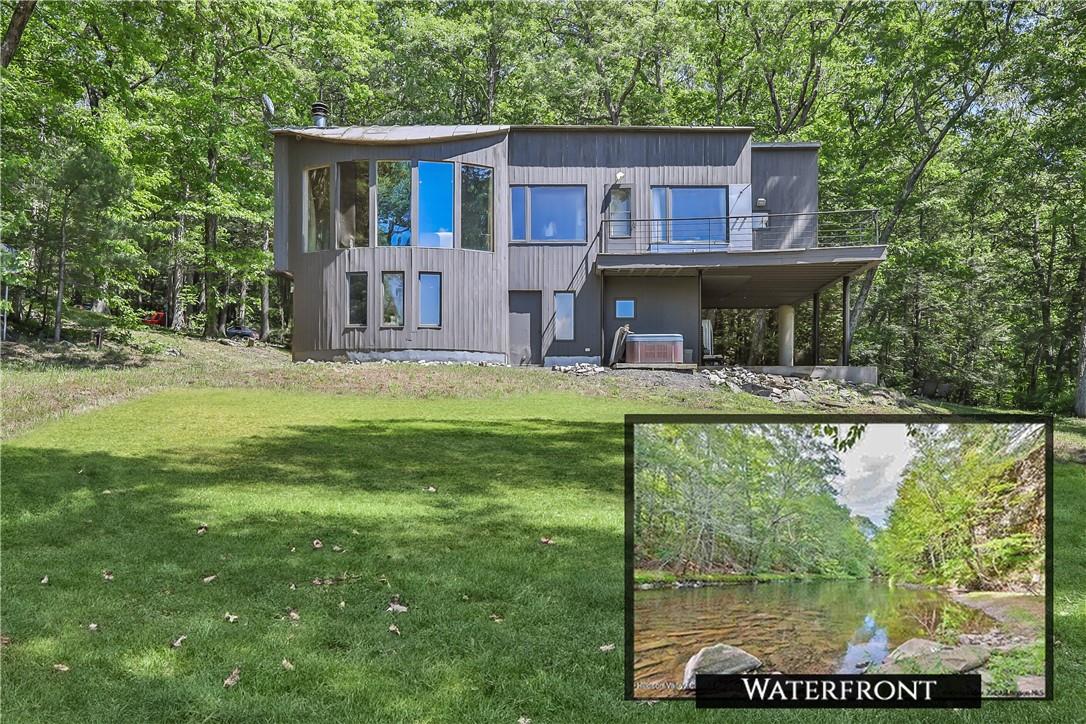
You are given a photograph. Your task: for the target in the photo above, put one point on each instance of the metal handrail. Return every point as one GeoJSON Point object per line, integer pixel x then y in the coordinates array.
{"type": "Point", "coordinates": [748, 232]}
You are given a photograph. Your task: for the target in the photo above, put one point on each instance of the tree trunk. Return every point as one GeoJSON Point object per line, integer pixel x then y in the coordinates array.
{"type": "Point", "coordinates": [757, 338]}
{"type": "Point", "coordinates": [242, 300]}
{"type": "Point", "coordinates": [265, 298]}
{"type": "Point", "coordinates": [58, 319]}
{"type": "Point", "coordinates": [23, 10]}
{"type": "Point", "coordinates": [211, 233]}
{"type": "Point", "coordinates": [1080, 389]}
{"type": "Point", "coordinates": [177, 279]}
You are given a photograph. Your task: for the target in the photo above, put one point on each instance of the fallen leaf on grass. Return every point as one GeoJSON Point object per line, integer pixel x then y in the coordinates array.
{"type": "Point", "coordinates": [60, 668]}
{"type": "Point", "coordinates": [230, 618]}
{"type": "Point", "coordinates": [292, 614]}
{"type": "Point", "coordinates": [338, 549]}
{"type": "Point", "coordinates": [107, 575]}
{"type": "Point", "coordinates": [496, 618]}
{"type": "Point", "coordinates": [394, 629]}
{"type": "Point", "coordinates": [384, 580]}
{"type": "Point", "coordinates": [293, 587]}
{"type": "Point", "coordinates": [431, 489]}
{"type": "Point", "coordinates": [234, 677]}
{"type": "Point", "coordinates": [176, 643]}
{"type": "Point", "coordinates": [209, 579]}
{"type": "Point", "coordinates": [343, 604]}
{"type": "Point", "coordinates": [45, 580]}
{"type": "Point", "coordinates": [395, 606]}
{"type": "Point", "coordinates": [4, 641]}
{"type": "Point", "coordinates": [547, 541]}
{"type": "Point", "coordinates": [317, 545]}
{"type": "Point", "coordinates": [293, 549]}
{"type": "Point", "coordinates": [107, 491]}
{"type": "Point", "coordinates": [202, 529]}
{"type": "Point", "coordinates": [465, 597]}
{"type": "Point", "coordinates": [607, 648]}
{"type": "Point", "coordinates": [92, 627]}
{"type": "Point", "coordinates": [524, 720]}
{"type": "Point", "coordinates": [285, 663]}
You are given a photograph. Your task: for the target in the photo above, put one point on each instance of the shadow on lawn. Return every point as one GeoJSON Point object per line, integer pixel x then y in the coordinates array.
{"type": "Point", "coordinates": [458, 556]}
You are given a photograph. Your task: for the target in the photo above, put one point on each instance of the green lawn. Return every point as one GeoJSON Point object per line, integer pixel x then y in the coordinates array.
{"type": "Point", "coordinates": [124, 488]}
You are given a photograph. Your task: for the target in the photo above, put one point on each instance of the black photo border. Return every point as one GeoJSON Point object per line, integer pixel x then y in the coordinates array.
{"type": "Point", "coordinates": [631, 420]}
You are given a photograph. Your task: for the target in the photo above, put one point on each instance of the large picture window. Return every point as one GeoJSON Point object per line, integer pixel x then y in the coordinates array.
{"type": "Point", "coordinates": [690, 213]}
{"type": "Point", "coordinates": [357, 300]}
{"type": "Point", "coordinates": [436, 199]}
{"type": "Point", "coordinates": [354, 204]}
{"type": "Point", "coordinates": [563, 315]}
{"type": "Point", "coordinates": [429, 299]}
{"type": "Point", "coordinates": [549, 213]}
{"type": "Point", "coordinates": [476, 207]}
{"type": "Point", "coordinates": [391, 299]}
{"type": "Point", "coordinates": [318, 209]}
{"type": "Point", "coordinates": [394, 203]}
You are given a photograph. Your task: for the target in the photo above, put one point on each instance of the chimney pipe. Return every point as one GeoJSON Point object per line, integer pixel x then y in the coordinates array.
{"type": "Point", "coordinates": [320, 114]}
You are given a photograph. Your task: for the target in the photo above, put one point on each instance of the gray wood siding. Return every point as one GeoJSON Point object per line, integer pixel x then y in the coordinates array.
{"type": "Point", "coordinates": [663, 305]}
{"type": "Point", "coordinates": [591, 159]}
{"type": "Point", "coordinates": [787, 178]}
{"type": "Point", "coordinates": [473, 283]}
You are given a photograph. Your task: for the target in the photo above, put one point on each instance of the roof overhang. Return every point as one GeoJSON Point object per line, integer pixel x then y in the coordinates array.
{"type": "Point", "coordinates": [399, 135]}
{"type": "Point", "coordinates": [751, 279]}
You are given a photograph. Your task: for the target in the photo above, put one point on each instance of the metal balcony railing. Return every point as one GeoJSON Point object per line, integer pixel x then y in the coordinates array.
{"type": "Point", "coordinates": [753, 232]}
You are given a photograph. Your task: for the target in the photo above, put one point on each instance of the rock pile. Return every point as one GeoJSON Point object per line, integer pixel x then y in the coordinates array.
{"type": "Point", "coordinates": [829, 393]}
{"type": "Point", "coordinates": [582, 369]}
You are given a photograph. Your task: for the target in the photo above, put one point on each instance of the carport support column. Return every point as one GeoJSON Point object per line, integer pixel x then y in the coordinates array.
{"type": "Point", "coordinates": [846, 322]}
{"type": "Point", "coordinates": [816, 328]}
{"type": "Point", "coordinates": [786, 335]}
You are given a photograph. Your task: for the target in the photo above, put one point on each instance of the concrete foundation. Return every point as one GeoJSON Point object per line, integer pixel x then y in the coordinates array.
{"type": "Point", "coordinates": [423, 355]}
{"type": "Point", "coordinates": [868, 375]}
{"type": "Point", "coordinates": [571, 360]}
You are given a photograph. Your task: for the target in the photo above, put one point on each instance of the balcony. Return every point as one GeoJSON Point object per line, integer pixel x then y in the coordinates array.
{"type": "Point", "coordinates": [749, 233]}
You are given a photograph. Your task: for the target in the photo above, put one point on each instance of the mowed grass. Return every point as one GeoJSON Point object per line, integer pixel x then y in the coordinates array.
{"type": "Point", "coordinates": [269, 472]}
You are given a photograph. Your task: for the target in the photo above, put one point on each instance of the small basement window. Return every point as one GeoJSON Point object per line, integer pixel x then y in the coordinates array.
{"type": "Point", "coordinates": [429, 299]}
{"type": "Point", "coordinates": [391, 299]}
{"type": "Point", "coordinates": [625, 308]}
{"type": "Point", "coordinates": [357, 301]}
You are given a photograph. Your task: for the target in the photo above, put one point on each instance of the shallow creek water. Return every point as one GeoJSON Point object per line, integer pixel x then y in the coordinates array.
{"type": "Point", "coordinates": [823, 627]}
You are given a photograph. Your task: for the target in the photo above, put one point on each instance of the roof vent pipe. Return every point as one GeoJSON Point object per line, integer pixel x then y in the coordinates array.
{"type": "Point", "coordinates": [320, 114]}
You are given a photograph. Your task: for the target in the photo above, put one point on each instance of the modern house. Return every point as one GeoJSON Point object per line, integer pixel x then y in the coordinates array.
{"type": "Point", "coordinates": [534, 244]}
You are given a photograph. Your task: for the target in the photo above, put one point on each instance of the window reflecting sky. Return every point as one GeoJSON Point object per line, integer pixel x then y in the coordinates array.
{"type": "Point", "coordinates": [558, 213]}
{"type": "Point", "coordinates": [436, 204]}
{"type": "Point", "coordinates": [516, 197]}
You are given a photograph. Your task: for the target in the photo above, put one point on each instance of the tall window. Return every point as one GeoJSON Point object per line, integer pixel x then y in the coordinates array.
{"type": "Point", "coordinates": [435, 204]}
{"type": "Point", "coordinates": [391, 299]}
{"type": "Point", "coordinates": [429, 299]}
{"type": "Point", "coordinates": [394, 203]}
{"type": "Point", "coordinates": [690, 213]}
{"type": "Point", "coordinates": [318, 209]}
{"type": "Point", "coordinates": [357, 302]}
{"type": "Point", "coordinates": [476, 207]}
{"type": "Point", "coordinates": [620, 213]}
{"type": "Point", "coordinates": [518, 202]}
{"type": "Point", "coordinates": [354, 204]}
{"type": "Point", "coordinates": [563, 315]}
{"type": "Point", "coordinates": [549, 213]}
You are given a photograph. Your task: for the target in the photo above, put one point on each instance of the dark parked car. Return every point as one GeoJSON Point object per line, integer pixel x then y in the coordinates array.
{"type": "Point", "coordinates": [239, 332]}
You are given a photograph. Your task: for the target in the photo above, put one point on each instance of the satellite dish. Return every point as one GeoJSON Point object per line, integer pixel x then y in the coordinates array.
{"type": "Point", "coordinates": [269, 107]}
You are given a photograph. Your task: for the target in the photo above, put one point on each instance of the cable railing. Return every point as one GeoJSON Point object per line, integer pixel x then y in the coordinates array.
{"type": "Point", "coordinates": [751, 232]}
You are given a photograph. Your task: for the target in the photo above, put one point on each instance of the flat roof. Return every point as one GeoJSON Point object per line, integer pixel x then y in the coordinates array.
{"type": "Point", "coordinates": [431, 134]}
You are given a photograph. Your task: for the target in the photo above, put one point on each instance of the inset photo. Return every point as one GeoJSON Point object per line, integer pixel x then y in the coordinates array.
{"type": "Point", "coordinates": [843, 545]}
